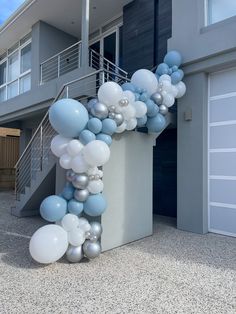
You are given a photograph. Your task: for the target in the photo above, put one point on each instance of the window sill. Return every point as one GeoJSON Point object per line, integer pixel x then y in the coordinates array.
{"type": "Point", "coordinates": [208, 28]}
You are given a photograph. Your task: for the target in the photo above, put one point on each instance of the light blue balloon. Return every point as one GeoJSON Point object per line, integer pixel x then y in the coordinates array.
{"type": "Point", "coordinates": [174, 68]}
{"type": "Point", "coordinates": [142, 121]}
{"type": "Point", "coordinates": [137, 96]}
{"type": "Point", "coordinates": [95, 125]}
{"type": "Point", "coordinates": [173, 58]}
{"type": "Point", "coordinates": [162, 68]}
{"type": "Point", "coordinates": [152, 108]}
{"type": "Point", "coordinates": [75, 207]}
{"type": "Point", "coordinates": [128, 86]}
{"type": "Point", "coordinates": [53, 208]}
{"type": "Point", "coordinates": [91, 103]}
{"type": "Point", "coordinates": [68, 192]}
{"type": "Point", "coordinates": [105, 138]}
{"type": "Point", "coordinates": [144, 97]}
{"type": "Point", "coordinates": [68, 117]}
{"type": "Point", "coordinates": [95, 205]}
{"type": "Point", "coordinates": [157, 123]}
{"type": "Point", "coordinates": [86, 136]}
{"type": "Point", "coordinates": [177, 76]}
{"type": "Point", "coordinates": [109, 126]}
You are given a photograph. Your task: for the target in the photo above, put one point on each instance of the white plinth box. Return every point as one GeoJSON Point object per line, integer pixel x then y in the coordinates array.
{"type": "Point", "coordinates": [128, 181]}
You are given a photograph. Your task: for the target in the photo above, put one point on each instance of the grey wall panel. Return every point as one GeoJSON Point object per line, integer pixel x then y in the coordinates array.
{"type": "Point", "coordinates": [223, 109]}
{"type": "Point", "coordinates": [222, 136]}
{"type": "Point", "coordinates": [223, 164]}
{"type": "Point", "coordinates": [223, 191]}
{"type": "Point", "coordinates": [223, 82]}
{"type": "Point", "coordinates": [223, 219]}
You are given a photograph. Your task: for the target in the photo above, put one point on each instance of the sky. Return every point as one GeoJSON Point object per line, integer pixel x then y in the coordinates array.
{"type": "Point", "coordinates": [7, 7]}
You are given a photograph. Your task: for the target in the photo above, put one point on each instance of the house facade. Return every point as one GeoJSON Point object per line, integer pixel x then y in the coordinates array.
{"type": "Point", "coordinates": [45, 46]}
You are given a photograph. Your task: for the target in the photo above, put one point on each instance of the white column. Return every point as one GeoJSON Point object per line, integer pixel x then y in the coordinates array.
{"type": "Point", "coordinates": [85, 34]}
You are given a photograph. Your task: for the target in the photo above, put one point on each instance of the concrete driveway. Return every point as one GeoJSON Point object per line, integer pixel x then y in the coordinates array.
{"type": "Point", "coordinates": [171, 272]}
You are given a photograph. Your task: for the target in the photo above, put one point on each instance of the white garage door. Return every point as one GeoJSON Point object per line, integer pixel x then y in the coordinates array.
{"type": "Point", "coordinates": [222, 152]}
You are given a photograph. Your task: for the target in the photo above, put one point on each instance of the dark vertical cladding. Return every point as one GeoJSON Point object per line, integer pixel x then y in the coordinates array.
{"type": "Point", "coordinates": [138, 35]}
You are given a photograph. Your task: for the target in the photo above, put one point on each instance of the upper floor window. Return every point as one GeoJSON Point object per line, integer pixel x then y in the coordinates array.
{"type": "Point", "coordinates": [219, 10]}
{"type": "Point", "coordinates": [15, 69]}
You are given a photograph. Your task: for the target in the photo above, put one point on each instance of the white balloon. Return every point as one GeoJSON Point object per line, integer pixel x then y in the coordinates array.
{"type": "Point", "coordinates": [96, 153]}
{"type": "Point", "coordinates": [174, 91]}
{"type": "Point", "coordinates": [100, 173]}
{"type": "Point", "coordinates": [129, 95]}
{"type": "Point", "coordinates": [74, 148]}
{"type": "Point", "coordinates": [168, 100]}
{"type": "Point", "coordinates": [131, 124]}
{"type": "Point", "coordinates": [70, 222]}
{"type": "Point", "coordinates": [78, 164]}
{"type": "Point", "coordinates": [76, 237]}
{"type": "Point", "coordinates": [59, 144]}
{"type": "Point", "coordinates": [92, 171]}
{"type": "Point", "coordinates": [48, 244]}
{"type": "Point", "coordinates": [84, 224]}
{"type": "Point", "coordinates": [145, 79]}
{"type": "Point", "coordinates": [140, 108]}
{"type": "Point", "coordinates": [121, 128]}
{"type": "Point", "coordinates": [181, 89]}
{"type": "Point", "coordinates": [110, 93]}
{"type": "Point", "coordinates": [129, 112]}
{"type": "Point", "coordinates": [164, 77]}
{"type": "Point", "coordinates": [95, 186]}
{"type": "Point", "coordinates": [65, 161]}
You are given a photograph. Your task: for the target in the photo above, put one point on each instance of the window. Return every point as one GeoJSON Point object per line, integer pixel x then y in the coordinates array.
{"type": "Point", "coordinates": [219, 10]}
{"type": "Point", "coordinates": [15, 69]}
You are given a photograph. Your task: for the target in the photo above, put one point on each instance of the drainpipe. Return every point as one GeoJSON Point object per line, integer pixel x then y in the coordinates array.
{"type": "Point", "coordinates": [85, 35]}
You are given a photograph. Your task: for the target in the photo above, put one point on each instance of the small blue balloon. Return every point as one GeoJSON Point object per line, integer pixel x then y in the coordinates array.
{"type": "Point", "coordinates": [170, 72]}
{"type": "Point", "coordinates": [105, 138]}
{"type": "Point", "coordinates": [156, 124]}
{"type": "Point", "coordinates": [95, 205]}
{"type": "Point", "coordinates": [142, 121]}
{"type": "Point", "coordinates": [152, 108]}
{"type": "Point", "coordinates": [53, 208]}
{"type": "Point", "coordinates": [68, 192]}
{"type": "Point", "coordinates": [108, 126]}
{"type": "Point", "coordinates": [91, 103]}
{"type": "Point", "coordinates": [144, 97]}
{"type": "Point", "coordinates": [86, 136]}
{"type": "Point", "coordinates": [94, 125]}
{"type": "Point", "coordinates": [173, 58]}
{"type": "Point", "coordinates": [138, 90]}
{"type": "Point", "coordinates": [137, 95]}
{"type": "Point", "coordinates": [128, 86]}
{"type": "Point", "coordinates": [68, 117]}
{"type": "Point", "coordinates": [75, 207]}
{"type": "Point", "coordinates": [162, 68]}
{"type": "Point", "coordinates": [177, 76]}
{"type": "Point", "coordinates": [174, 68]}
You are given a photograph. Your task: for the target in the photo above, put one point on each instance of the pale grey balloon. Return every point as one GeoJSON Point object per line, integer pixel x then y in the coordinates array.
{"type": "Point", "coordinates": [91, 249]}
{"type": "Point", "coordinates": [96, 229]}
{"type": "Point", "coordinates": [124, 102]}
{"type": "Point", "coordinates": [80, 181]}
{"type": "Point", "coordinates": [99, 111]}
{"type": "Point", "coordinates": [74, 254]}
{"type": "Point", "coordinates": [70, 174]}
{"type": "Point", "coordinates": [163, 110]}
{"type": "Point", "coordinates": [81, 195]}
{"type": "Point", "coordinates": [119, 119]}
{"type": "Point", "coordinates": [157, 98]}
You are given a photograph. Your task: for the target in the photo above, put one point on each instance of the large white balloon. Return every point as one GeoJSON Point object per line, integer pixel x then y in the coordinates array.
{"type": "Point", "coordinates": [181, 89]}
{"type": "Point", "coordinates": [84, 225]}
{"type": "Point", "coordinates": [70, 222]}
{"type": "Point", "coordinates": [110, 93]}
{"type": "Point", "coordinates": [48, 244]}
{"type": "Point", "coordinates": [131, 124]}
{"type": "Point", "coordinates": [78, 164]}
{"type": "Point", "coordinates": [145, 79]}
{"type": "Point", "coordinates": [76, 237]}
{"type": "Point", "coordinates": [95, 186]}
{"type": "Point", "coordinates": [96, 153]}
{"type": "Point", "coordinates": [65, 161]}
{"type": "Point", "coordinates": [129, 112]}
{"type": "Point", "coordinates": [140, 108]}
{"type": "Point", "coordinates": [59, 145]}
{"type": "Point", "coordinates": [74, 148]}
{"type": "Point", "coordinates": [168, 100]}
{"type": "Point", "coordinates": [121, 128]}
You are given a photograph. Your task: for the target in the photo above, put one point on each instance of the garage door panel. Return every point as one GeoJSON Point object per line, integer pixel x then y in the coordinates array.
{"type": "Point", "coordinates": [223, 109]}
{"type": "Point", "coordinates": [223, 82]}
{"type": "Point", "coordinates": [223, 219]}
{"type": "Point", "coordinates": [223, 136]}
{"type": "Point", "coordinates": [223, 191]}
{"type": "Point", "coordinates": [223, 164]}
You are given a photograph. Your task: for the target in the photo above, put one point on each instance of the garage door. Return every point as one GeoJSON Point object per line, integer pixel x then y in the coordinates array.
{"type": "Point", "coordinates": [222, 152]}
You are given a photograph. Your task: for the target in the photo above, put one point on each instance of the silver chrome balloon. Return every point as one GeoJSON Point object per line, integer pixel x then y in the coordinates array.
{"type": "Point", "coordinates": [70, 174]}
{"type": "Point", "coordinates": [157, 98]}
{"type": "Point", "coordinates": [96, 229]}
{"type": "Point", "coordinates": [112, 115]}
{"type": "Point", "coordinates": [74, 254]}
{"type": "Point", "coordinates": [91, 249]}
{"type": "Point", "coordinates": [92, 177]}
{"type": "Point", "coordinates": [99, 110]}
{"type": "Point", "coordinates": [119, 119]}
{"type": "Point", "coordinates": [112, 108]}
{"type": "Point", "coordinates": [124, 102]}
{"type": "Point", "coordinates": [81, 195]}
{"type": "Point", "coordinates": [96, 177]}
{"type": "Point", "coordinates": [163, 109]}
{"type": "Point", "coordinates": [80, 181]}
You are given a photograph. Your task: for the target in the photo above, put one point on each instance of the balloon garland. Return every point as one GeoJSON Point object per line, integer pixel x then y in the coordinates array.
{"type": "Point", "coordinates": [82, 146]}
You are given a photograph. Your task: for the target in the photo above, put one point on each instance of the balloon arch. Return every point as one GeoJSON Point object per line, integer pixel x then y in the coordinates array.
{"type": "Point", "coordinates": [82, 146]}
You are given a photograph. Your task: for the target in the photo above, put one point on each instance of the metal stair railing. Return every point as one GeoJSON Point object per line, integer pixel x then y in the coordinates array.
{"type": "Point", "coordinates": [37, 153]}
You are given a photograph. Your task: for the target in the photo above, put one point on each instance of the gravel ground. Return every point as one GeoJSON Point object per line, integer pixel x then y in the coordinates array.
{"type": "Point", "coordinates": [171, 272]}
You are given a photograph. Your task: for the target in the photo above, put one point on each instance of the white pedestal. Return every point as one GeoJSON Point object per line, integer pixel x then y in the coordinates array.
{"type": "Point", "coordinates": [128, 189]}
